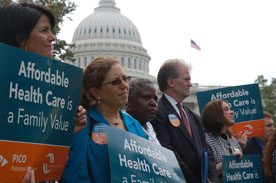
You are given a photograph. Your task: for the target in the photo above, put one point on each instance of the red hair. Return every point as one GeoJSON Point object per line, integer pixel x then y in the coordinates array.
{"type": "Point", "coordinates": [267, 154]}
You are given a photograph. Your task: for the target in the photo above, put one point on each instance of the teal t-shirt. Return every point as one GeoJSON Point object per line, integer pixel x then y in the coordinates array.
{"type": "Point", "coordinates": [88, 157]}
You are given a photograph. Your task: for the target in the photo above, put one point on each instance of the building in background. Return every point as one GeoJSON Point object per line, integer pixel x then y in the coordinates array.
{"type": "Point", "coordinates": [107, 32]}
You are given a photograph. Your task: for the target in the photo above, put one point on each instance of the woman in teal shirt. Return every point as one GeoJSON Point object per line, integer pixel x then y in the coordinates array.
{"type": "Point", "coordinates": [104, 93]}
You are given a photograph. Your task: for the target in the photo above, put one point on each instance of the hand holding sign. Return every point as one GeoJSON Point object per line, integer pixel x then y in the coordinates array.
{"type": "Point", "coordinates": [242, 139]}
{"type": "Point", "coordinates": [29, 176]}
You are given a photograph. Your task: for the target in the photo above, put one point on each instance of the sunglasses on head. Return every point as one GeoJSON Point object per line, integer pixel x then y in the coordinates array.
{"type": "Point", "coordinates": [118, 81]}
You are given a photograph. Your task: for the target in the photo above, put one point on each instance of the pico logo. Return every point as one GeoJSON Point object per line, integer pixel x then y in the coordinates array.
{"type": "Point", "coordinates": [3, 161]}
{"type": "Point", "coordinates": [19, 158]}
{"type": "Point", "coordinates": [51, 159]}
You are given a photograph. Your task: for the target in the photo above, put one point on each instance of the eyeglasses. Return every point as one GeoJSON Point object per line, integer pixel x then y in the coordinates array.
{"type": "Point", "coordinates": [118, 81]}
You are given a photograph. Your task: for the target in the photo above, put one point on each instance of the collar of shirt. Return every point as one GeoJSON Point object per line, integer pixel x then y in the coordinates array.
{"type": "Point", "coordinates": [173, 102]}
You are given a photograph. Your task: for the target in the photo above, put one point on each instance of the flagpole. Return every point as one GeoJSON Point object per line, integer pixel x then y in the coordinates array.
{"type": "Point", "coordinates": [190, 55]}
{"type": "Point", "coordinates": [193, 46]}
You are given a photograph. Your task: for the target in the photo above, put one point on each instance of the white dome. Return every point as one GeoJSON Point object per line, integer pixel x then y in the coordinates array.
{"type": "Point", "coordinates": [107, 22]}
{"type": "Point", "coordinates": [107, 32]}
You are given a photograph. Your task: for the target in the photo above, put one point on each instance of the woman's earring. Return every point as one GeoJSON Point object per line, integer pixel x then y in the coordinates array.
{"type": "Point", "coordinates": [128, 108]}
{"type": "Point", "coordinates": [26, 48]}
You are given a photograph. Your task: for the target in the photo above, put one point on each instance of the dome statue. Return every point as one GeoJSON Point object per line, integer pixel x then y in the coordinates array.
{"type": "Point", "coordinates": [107, 32]}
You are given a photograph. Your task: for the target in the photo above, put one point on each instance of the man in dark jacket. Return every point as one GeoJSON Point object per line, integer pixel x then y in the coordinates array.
{"type": "Point", "coordinates": [177, 127]}
{"type": "Point", "coordinates": [256, 145]}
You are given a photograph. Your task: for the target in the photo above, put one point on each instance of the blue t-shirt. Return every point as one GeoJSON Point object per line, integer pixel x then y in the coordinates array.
{"type": "Point", "coordinates": [88, 157]}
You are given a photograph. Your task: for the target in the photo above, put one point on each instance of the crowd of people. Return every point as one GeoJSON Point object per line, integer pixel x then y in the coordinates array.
{"type": "Point", "coordinates": [110, 98]}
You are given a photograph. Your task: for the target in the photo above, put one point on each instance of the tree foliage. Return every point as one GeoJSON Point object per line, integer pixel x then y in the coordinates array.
{"type": "Point", "coordinates": [5, 2]}
{"type": "Point", "coordinates": [62, 9]}
{"type": "Point", "coordinates": [268, 93]}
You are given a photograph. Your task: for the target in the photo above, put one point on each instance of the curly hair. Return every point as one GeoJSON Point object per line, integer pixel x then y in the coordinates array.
{"type": "Point", "coordinates": [136, 86]}
{"type": "Point", "coordinates": [267, 155]}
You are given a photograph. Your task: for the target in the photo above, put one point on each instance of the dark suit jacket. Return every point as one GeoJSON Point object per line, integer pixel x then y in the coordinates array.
{"type": "Point", "coordinates": [188, 151]}
{"type": "Point", "coordinates": [252, 147]}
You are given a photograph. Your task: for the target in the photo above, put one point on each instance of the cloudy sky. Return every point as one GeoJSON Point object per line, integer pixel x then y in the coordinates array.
{"type": "Point", "coordinates": [237, 37]}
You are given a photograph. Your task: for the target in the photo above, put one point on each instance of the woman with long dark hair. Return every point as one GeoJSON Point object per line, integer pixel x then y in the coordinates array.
{"type": "Point", "coordinates": [217, 117]}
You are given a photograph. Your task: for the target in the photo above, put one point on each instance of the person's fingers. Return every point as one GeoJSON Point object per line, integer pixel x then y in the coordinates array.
{"type": "Point", "coordinates": [32, 176]}
{"type": "Point", "coordinates": [244, 135]}
{"type": "Point", "coordinates": [80, 119]}
{"type": "Point", "coordinates": [80, 111]}
{"type": "Point", "coordinates": [29, 176]}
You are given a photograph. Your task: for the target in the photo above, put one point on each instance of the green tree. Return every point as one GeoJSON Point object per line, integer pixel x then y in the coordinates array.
{"type": "Point", "coordinates": [5, 2]}
{"type": "Point", "coordinates": [268, 93]}
{"type": "Point", "coordinates": [62, 10]}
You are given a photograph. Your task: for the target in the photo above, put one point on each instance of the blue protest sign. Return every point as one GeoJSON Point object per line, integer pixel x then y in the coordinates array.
{"type": "Point", "coordinates": [134, 159]}
{"type": "Point", "coordinates": [38, 98]}
{"type": "Point", "coordinates": [248, 169]}
{"type": "Point", "coordinates": [245, 102]}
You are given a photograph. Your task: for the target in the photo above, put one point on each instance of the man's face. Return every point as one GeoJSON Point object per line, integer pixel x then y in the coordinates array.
{"type": "Point", "coordinates": [144, 105]}
{"type": "Point", "coordinates": [182, 84]}
{"type": "Point", "coordinates": [268, 128]}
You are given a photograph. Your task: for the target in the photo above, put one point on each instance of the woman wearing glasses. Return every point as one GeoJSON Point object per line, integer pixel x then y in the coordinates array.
{"type": "Point", "coordinates": [104, 92]}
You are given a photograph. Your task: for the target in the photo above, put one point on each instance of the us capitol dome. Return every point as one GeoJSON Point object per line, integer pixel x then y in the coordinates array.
{"type": "Point", "coordinates": [107, 32]}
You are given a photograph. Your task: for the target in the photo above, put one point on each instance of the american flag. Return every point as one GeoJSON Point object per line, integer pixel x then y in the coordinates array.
{"type": "Point", "coordinates": [194, 45]}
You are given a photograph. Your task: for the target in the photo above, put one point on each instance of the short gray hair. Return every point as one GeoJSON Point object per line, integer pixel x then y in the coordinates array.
{"type": "Point", "coordinates": [137, 85]}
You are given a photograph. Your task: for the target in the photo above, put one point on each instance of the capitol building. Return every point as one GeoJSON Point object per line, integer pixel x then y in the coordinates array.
{"type": "Point", "coordinates": [107, 32]}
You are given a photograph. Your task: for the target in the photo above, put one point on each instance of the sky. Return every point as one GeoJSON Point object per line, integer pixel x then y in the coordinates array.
{"type": "Point", "coordinates": [237, 37]}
